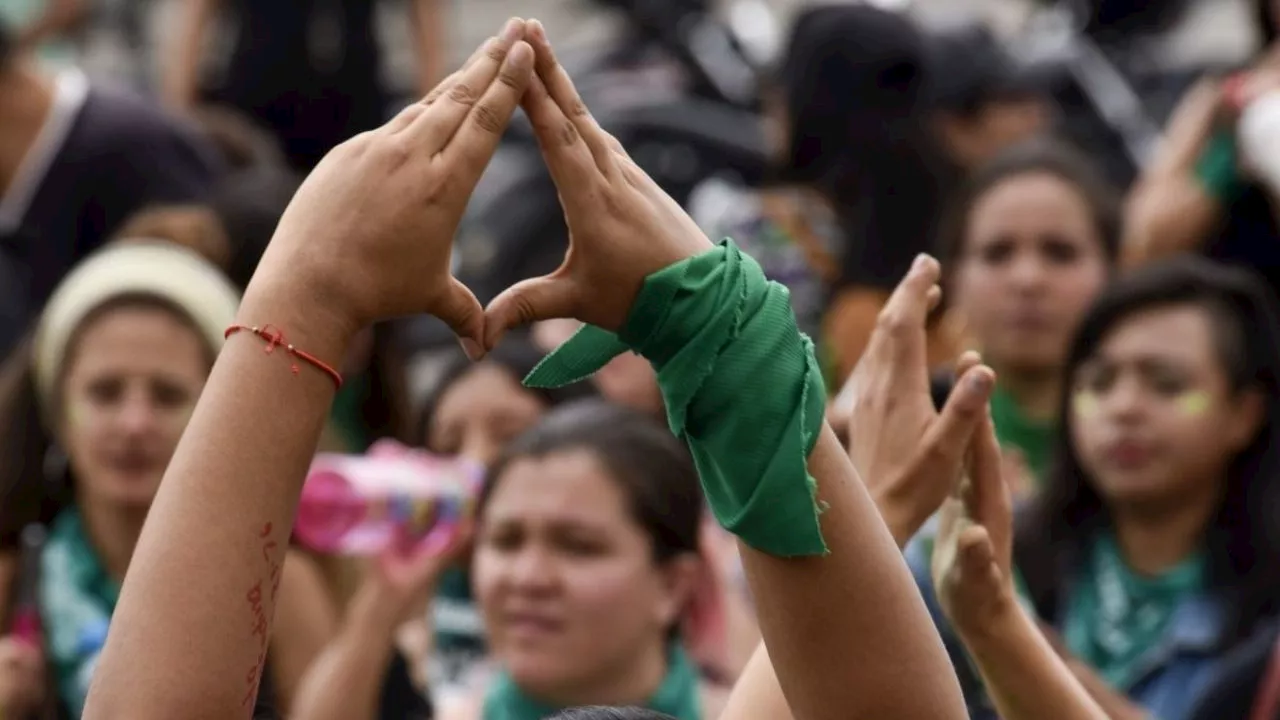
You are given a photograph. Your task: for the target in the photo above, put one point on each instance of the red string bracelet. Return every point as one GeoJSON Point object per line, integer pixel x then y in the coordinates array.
{"type": "Point", "coordinates": [275, 339]}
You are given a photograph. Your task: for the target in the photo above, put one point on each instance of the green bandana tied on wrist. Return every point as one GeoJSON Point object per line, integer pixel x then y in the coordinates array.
{"type": "Point", "coordinates": [741, 384]}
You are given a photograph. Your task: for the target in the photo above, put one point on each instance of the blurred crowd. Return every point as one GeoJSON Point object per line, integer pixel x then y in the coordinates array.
{"type": "Point", "coordinates": [1109, 241]}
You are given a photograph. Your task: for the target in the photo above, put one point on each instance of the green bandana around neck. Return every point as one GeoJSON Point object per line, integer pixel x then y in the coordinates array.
{"type": "Point", "coordinates": [77, 598]}
{"type": "Point", "coordinates": [1014, 429]}
{"type": "Point", "coordinates": [742, 388]}
{"type": "Point", "coordinates": [1115, 615]}
{"type": "Point", "coordinates": [677, 696]}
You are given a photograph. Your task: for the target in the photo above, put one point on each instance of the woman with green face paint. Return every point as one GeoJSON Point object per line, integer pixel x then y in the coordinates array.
{"type": "Point", "coordinates": [1152, 545]}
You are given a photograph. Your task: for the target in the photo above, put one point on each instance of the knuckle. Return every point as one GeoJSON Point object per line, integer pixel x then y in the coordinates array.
{"type": "Point", "coordinates": [892, 324]}
{"type": "Point", "coordinates": [463, 94]}
{"type": "Point", "coordinates": [496, 52]}
{"type": "Point", "coordinates": [579, 108]}
{"type": "Point", "coordinates": [568, 133]}
{"type": "Point", "coordinates": [488, 119]}
{"type": "Point", "coordinates": [509, 78]}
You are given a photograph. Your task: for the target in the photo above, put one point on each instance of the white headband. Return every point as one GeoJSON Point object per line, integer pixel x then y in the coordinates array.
{"type": "Point", "coordinates": [165, 271]}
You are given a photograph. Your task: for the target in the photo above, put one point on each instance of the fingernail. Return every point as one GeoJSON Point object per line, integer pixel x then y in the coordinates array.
{"type": "Point", "coordinates": [539, 32]}
{"type": "Point", "coordinates": [981, 381]}
{"type": "Point", "coordinates": [919, 261]}
{"type": "Point", "coordinates": [473, 349]}
{"type": "Point", "coordinates": [513, 30]}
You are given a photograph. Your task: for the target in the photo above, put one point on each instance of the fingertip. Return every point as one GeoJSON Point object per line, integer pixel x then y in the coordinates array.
{"type": "Point", "coordinates": [934, 297]}
{"type": "Point", "coordinates": [513, 30]}
{"type": "Point", "coordinates": [981, 379]}
{"type": "Point", "coordinates": [926, 265]}
{"type": "Point", "coordinates": [472, 348]}
{"type": "Point", "coordinates": [536, 31]}
{"type": "Point", "coordinates": [521, 57]}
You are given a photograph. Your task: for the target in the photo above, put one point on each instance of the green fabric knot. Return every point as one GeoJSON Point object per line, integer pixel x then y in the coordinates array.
{"type": "Point", "coordinates": [742, 388]}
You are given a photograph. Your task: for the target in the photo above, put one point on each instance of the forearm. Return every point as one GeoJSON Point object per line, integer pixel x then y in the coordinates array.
{"type": "Point", "coordinates": [197, 604]}
{"type": "Point", "coordinates": [306, 624]}
{"type": "Point", "coordinates": [181, 68]}
{"type": "Point", "coordinates": [1167, 216]}
{"type": "Point", "coordinates": [345, 681]}
{"type": "Point", "coordinates": [828, 620]}
{"type": "Point", "coordinates": [1024, 677]}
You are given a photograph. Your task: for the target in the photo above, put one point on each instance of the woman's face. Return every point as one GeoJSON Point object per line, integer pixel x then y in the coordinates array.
{"type": "Point", "coordinates": [129, 385]}
{"type": "Point", "coordinates": [565, 577]}
{"type": "Point", "coordinates": [1030, 265]}
{"type": "Point", "coordinates": [1154, 421]}
{"type": "Point", "coordinates": [480, 413]}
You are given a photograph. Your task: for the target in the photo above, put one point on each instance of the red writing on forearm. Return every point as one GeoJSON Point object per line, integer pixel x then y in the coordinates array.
{"type": "Point", "coordinates": [259, 614]}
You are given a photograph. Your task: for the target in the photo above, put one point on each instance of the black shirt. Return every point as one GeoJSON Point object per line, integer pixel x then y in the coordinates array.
{"type": "Point", "coordinates": [102, 155]}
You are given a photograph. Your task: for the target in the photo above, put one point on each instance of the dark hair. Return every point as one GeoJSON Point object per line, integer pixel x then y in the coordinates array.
{"type": "Point", "coordinates": [1265, 16]}
{"type": "Point", "coordinates": [6, 42]}
{"type": "Point", "coordinates": [518, 356]}
{"type": "Point", "coordinates": [854, 78]}
{"type": "Point", "coordinates": [249, 202]}
{"type": "Point", "coordinates": [1040, 155]}
{"type": "Point", "coordinates": [1243, 540]}
{"type": "Point", "coordinates": [650, 465]}
{"type": "Point", "coordinates": [597, 712]}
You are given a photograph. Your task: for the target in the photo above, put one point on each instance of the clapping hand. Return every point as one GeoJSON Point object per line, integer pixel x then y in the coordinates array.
{"type": "Point", "coordinates": [972, 563]}
{"type": "Point", "coordinates": [908, 454]}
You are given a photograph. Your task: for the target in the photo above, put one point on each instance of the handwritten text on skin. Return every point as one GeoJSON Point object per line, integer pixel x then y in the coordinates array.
{"type": "Point", "coordinates": [260, 622]}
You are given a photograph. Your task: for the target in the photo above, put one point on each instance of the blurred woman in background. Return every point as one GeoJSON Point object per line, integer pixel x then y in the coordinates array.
{"type": "Point", "coordinates": [585, 567]}
{"type": "Point", "coordinates": [1031, 239]}
{"type": "Point", "coordinates": [473, 412]}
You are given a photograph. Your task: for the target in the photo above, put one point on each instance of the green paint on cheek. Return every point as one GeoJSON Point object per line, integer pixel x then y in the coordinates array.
{"type": "Point", "coordinates": [1193, 403]}
{"type": "Point", "coordinates": [1085, 404]}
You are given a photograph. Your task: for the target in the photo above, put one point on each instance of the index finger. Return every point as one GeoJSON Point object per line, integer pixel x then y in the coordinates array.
{"type": "Point", "coordinates": [988, 497]}
{"type": "Point", "coordinates": [475, 142]}
{"type": "Point", "coordinates": [901, 323]}
{"type": "Point", "coordinates": [441, 120]}
{"type": "Point", "coordinates": [562, 91]}
{"type": "Point", "coordinates": [566, 155]}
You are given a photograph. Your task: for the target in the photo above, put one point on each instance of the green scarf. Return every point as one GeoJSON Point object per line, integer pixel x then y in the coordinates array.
{"type": "Point", "coordinates": [1014, 429]}
{"type": "Point", "coordinates": [677, 696]}
{"type": "Point", "coordinates": [741, 384]}
{"type": "Point", "coordinates": [1115, 615]}
{"type": "Point", "coordinates": [76, 598]}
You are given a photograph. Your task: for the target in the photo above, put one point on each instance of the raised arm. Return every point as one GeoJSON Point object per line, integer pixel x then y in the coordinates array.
{"type": "Point", "coordinates": [973, 572]}
{"type": "Point", "coordinates": [367, 236]}
{"type": "Point", "coordinates": [847, 631]}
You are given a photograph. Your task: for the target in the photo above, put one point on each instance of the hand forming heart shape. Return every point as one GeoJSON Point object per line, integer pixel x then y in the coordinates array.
{"type": "Point", "coordinates": [369, 233]}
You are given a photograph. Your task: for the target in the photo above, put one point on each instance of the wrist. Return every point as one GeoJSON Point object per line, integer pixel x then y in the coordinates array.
{"type": "Point", "coordinates": [372, 617]}
{"type": "Point", "coordinates": [308, 322]}
{"type": "Point", "coordinates": [988, 625]}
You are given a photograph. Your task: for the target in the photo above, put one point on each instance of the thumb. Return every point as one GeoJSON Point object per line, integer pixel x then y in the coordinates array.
{"type": "Point", "coordinates": [460, 310]}
{"type": "Point", "coordinates": [541, 298]}
{"type": "Point", "coordinates": [974, 553]}
{"type": "Point", "coordinates": [948, 437]}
